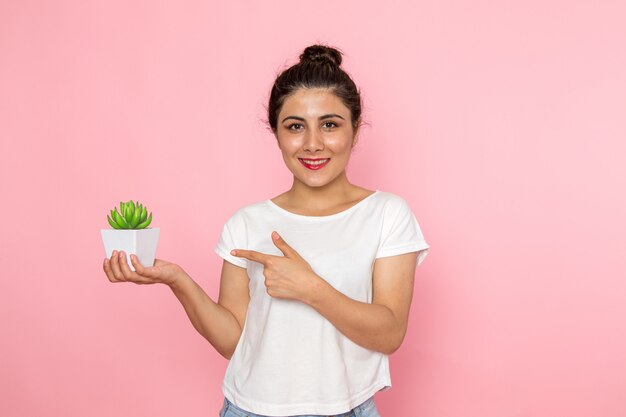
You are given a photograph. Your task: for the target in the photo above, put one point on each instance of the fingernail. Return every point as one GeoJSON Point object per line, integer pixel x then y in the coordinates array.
{"type": "Point", "coordinates": [233, 252]}
{"type": "Point", "coordinates": [275, 235]}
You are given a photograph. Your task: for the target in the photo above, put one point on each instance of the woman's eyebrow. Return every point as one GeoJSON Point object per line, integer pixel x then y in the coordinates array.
{"type": "Point", "coordinates": [326, 116]}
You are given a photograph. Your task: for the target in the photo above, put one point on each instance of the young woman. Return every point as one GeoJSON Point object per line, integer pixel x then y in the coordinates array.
{"type": "Point", "coordinates": [317, 282]}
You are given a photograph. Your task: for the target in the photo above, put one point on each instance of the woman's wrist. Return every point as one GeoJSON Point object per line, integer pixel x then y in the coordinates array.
{"type": "Point", "coordinates": [318, 290]}
{"type": "Point", "coordinates": [178, 279]}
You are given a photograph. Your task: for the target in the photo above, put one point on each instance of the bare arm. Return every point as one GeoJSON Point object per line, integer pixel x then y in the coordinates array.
{"type": "Point", "coordinates": [220, 323]}
{"type": "Point", "coordinates": [381, 325]}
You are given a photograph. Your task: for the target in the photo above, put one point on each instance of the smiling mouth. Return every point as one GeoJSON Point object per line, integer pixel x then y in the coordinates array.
{"type": "Point", "coordinates": [314, 164]}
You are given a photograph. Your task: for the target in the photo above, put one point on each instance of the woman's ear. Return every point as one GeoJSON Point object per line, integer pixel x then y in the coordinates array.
{"type": "Point", "coordinates": [355, 137]}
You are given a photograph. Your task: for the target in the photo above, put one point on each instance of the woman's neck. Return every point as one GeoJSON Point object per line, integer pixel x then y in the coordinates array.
{"type": "Point", "coordinates": [328, 198]}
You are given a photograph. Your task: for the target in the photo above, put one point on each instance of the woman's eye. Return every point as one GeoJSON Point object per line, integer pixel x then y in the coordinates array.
{"type": "Point", "coordinates": [296, 125]}
{"type": "Point", "coordinates": [330, 124]}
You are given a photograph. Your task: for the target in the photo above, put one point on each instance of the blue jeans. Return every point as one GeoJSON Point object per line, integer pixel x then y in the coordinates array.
{"type": "Point", "coordinates": [366, 409]}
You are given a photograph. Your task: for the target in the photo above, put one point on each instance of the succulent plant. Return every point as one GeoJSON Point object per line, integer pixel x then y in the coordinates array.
{"type": "Point", "coordinates": [131, 216]}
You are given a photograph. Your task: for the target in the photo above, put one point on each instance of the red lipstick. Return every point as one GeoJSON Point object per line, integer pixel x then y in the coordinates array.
{"type": "Point", "coordinates": [312, 164]}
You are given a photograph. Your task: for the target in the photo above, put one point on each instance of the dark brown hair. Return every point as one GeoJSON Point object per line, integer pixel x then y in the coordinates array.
{"type": "Point", "coordinates": [319, 67]}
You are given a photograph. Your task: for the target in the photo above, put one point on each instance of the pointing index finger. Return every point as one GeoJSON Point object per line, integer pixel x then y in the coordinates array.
{"type": "Point", "coordinates": [250, 254]}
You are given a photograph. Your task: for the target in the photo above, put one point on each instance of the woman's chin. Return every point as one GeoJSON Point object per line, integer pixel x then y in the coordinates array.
{"type": "Point", "coordinates": [315, 182]}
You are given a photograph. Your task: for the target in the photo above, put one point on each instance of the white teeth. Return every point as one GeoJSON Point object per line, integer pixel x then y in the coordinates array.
{"type": "Point", "coordinates": [309, 162]}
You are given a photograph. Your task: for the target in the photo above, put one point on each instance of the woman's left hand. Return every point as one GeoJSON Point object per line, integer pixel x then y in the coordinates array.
{"type": "Point", "coordinates": [288, 276]}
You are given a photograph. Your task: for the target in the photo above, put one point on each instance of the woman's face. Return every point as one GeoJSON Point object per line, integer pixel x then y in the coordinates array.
{"type": "Point", "coordinates": [315, 135]}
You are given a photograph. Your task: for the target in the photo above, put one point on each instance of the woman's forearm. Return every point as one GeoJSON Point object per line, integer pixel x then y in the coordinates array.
{"type": "Point", "coordinates": [371, 326]}
{"type": "Point", "coordinates": [213, 321]}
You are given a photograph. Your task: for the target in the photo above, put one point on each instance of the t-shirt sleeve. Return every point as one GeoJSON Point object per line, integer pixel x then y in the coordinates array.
{"type": "Point", "coordinates": [232, 237]}
{"type": "Point", "coordinates": [401, 233]}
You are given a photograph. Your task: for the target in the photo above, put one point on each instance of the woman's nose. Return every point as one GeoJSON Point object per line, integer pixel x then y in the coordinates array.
{"type": "Point", "coordinates": [313, 141]}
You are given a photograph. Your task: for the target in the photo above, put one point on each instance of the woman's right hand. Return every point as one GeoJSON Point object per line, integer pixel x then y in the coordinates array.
{"type": "Point", "coordinates": [117, 270]}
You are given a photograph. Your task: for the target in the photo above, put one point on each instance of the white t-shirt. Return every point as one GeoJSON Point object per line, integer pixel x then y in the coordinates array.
{"type": "Point", "coordinates": [290, 360]}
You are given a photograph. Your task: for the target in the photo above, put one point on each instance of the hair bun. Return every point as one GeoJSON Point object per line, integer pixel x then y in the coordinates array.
{"type": "Point", "coordinates": [321, 53]}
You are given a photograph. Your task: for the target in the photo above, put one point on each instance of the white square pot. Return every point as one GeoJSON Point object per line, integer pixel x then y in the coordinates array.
{"type": "Point", "coordinates": [141, 242]}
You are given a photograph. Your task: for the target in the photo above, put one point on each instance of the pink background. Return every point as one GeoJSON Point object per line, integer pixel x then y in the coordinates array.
{"type": "Point", "coordinates": [501, 123]}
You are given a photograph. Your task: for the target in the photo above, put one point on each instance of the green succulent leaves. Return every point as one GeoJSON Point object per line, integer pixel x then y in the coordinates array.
{"type": "Point", "coordinates": [130, 216]}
